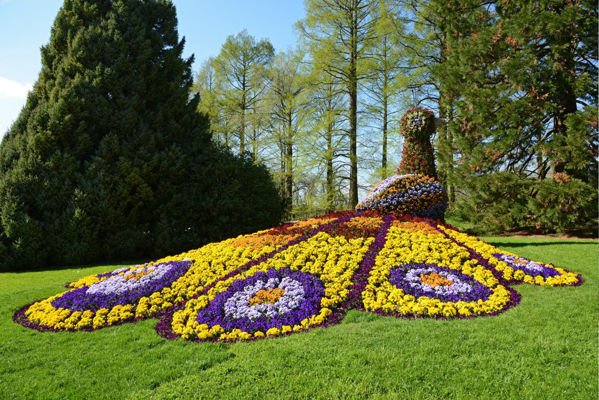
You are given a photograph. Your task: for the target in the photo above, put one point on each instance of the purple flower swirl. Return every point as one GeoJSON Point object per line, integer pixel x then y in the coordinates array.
{"type": "Point", "coordinates": [126, 286]}
{"type": "Point", "coordinates": [459, 287]}
{"type": "Point", "coordinates": [528, 267]}
{"type": "Point", "coordinates": [300, 296]}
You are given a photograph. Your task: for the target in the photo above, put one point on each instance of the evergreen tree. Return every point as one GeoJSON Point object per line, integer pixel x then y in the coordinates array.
{"type": "Point", "coordinates": [110, 159]}
{"type": "Point", "coordinates": [521, 75]}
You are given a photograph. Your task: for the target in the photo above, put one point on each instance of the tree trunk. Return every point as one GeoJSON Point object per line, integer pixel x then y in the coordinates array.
{"type": "Point", "coordinates": [566, 101]}
{"type": "Point", "coordinates": [330, 184]}
{"type": "Point", "coordinates": [385, 130]}
{"type": "Point", "coordinates": [289, 161]}
{"type": "Point", "coordinates": [353, 110]}
{"type": "Point", "coordinates": [243, 108]}
{"type": "Point", "coordinates": [254, 135]}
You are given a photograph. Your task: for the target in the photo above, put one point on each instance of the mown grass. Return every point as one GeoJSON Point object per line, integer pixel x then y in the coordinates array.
{"type": "Point", "coordinates": [545, 348]}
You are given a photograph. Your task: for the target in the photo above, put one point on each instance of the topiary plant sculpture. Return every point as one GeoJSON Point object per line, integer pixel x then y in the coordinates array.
{"type": "Point", "coordinates": [416, 126]}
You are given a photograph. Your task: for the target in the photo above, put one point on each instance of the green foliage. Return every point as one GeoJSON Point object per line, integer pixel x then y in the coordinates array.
{"type": "Point", "coordinates": [503, 201]}
{"type": "Point", "coordinates": [513, 83]}
{"type": "Point", "coordinates": [240, 76]}
{"type": "Point", "coordinates": [517, 73]}
{"type": "Point", "coordinates": [110, 158]}
{"type": "Point", "coordinates": [339, 37]}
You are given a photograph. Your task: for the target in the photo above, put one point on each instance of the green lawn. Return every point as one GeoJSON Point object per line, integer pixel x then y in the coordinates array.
{"type": "Point", "coordinates": [545, 348]}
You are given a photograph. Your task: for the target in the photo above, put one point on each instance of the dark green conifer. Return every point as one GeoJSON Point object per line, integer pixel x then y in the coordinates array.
{"type": "Point", "coordinates": [109, 158]}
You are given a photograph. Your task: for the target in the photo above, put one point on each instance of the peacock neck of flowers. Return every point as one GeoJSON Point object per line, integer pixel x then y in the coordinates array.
{"type": "Point", "coordinates": [417, 157]}
{"type": "Point", "coordinates": [416, 126]}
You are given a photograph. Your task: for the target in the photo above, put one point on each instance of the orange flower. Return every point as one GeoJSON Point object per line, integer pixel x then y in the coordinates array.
{"type": "Point", "coordinates": [269, 296]}
{"type": "Point", "coordinates": [434, 279]}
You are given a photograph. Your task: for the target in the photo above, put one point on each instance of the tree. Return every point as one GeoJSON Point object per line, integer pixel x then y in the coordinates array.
{"type": "Point", "coordinates": [242, 62]}
{"type": "Point", "coordinates": [339, 33]}
{"type": "Point", "coordinates": [384, 79]}
{"type": "Point", "coordinates": [109, 158]}
{"type": "Point", "coordinates": [536, 125]}
{"type": "Point", "coordinates": [206, 86]}
{"type": "Point", "coordinates": [327, 143]}
{"type": "Point", "coordinates": [421, 29]}
{"type": "Point", "coordinates": [288, 106]}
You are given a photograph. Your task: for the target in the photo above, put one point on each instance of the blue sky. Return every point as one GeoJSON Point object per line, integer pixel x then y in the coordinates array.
{"type": "Point", "coordinates": [25, 27]}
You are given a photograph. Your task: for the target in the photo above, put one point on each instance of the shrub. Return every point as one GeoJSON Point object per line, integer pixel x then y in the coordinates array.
{"type": "Point", "coordinates": [503, 202]}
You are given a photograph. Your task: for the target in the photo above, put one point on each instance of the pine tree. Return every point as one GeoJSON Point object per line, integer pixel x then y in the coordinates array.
{"type": "Point", "coordinates": [110, 159]}
{"type": "Point", "coordinates": [520, 75]}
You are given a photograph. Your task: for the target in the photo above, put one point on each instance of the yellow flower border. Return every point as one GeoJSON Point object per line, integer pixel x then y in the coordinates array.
{"type": "Point", "coordinates": [508, 273]}
{"type": "Point", "coordinates": [334, 267]}
{"type": "Point", "coordinates": [414, 243]}
{"type": "Point", "coordinates": [210, 263]}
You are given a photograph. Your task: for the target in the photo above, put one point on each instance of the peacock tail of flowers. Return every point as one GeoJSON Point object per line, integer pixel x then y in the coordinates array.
{"type": "Point", "coordinates": [300, 276]}
{"type": "Point", "coordinates": [417, 195]}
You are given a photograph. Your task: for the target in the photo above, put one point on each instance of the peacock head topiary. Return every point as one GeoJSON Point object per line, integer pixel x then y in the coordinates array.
{"type": "Point", "coordinates": [417, 124]}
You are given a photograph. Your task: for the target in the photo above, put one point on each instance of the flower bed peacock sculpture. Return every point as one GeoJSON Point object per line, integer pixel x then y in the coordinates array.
{"type": "Point", "coordinates": [392, 256]}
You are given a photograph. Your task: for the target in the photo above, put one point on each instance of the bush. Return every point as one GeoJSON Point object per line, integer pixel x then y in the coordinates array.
{"type": "Point", "coordinates": [506, 202]}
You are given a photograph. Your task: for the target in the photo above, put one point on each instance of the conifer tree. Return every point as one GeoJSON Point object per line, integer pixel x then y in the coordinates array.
{"type": "Point", "coordinates": [521, 75]}
{"type": "Point", "coordinates": [110, 158]}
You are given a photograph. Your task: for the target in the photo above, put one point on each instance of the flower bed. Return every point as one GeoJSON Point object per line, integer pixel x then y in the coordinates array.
{"type": "Point", "coordinates": [299, 276]}
{"type": "Point", "coordinates": [413, 194]}
{"type": "Point", "coordinates": [420, 272]}
{"type": "Point", "coordinates": [512, 268]}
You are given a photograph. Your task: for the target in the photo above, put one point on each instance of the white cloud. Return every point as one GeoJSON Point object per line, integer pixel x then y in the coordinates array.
{"type": "Point", "coordinates": [9, 111]}
{"type": "Point", "coordinates": [13, 96]}
{"type": "Point", "coordinates": [13, 90]}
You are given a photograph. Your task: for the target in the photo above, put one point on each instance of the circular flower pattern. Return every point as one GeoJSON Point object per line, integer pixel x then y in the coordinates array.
{"type": "Point", "coordinates": [265, 300]}
{"type": "Point", "coordinates": [528, 267]}
{"type": "Point", "coordinates": [123, 286]}
{"type": "Point", "coordinates": [431, 280]}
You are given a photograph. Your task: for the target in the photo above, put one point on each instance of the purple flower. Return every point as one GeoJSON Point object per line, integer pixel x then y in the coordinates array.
{"type": "Point", "coordinates": [233, 308]}
{"type": "Point", "coordinates": [124, 286]}
{"type": "Point", "coordinates": [529, 267]}
{"type": "Point", "coordinates": [423, 199]}
{"type": "Point", "coordinates": [461, 287]}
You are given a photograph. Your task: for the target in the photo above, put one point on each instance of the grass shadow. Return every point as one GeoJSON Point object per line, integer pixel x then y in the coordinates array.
{"type": "Point", "coordinates": [114, 263]}
{"type": "Point", "coordinates": [533, 243]}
